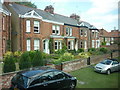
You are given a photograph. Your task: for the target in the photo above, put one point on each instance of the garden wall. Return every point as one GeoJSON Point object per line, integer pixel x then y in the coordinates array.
{"type": "Point", "coordinates": [66, 66]}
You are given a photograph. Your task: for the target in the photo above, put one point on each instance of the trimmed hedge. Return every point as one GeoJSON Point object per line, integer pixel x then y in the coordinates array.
{"type": "Point", "coordinates": [25, 61]}
{"type": "Point", "coordinates": [9, 64]}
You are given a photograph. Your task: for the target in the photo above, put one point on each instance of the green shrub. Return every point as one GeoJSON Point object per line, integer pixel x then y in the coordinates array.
{"type": "Point", "coordinates": [63, 58]}
{"type": "Point", "coordinates": [32, 54]}
{"type": "Point", "coordinates": [72, 51]}
{"type": "Point", "coordinates": [60, 51]}
{"type": "Point", "coordinates": [7, 54]}
{"type": "Point", "coordinates": [91, 49]}
{"type": "Point", "coordinates": [84, 54]}
{"type": "Point", "coordinates": [9, 64]}
{"type": "Point", "coordinates": [80, 50]}
{"type": "Point", "coordinates": [24, 61]}
{"type": "Point", "coordinates": [104, 50]}
{"type": "Point", "coordinates": [38, 59]}
{"type": "Point", "coordinates": [103, 43]}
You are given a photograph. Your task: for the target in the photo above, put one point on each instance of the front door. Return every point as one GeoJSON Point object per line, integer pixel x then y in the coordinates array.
{"type": "Point", "coordinates": [46, 46]}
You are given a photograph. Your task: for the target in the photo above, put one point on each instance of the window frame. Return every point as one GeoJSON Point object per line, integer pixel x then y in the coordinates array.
{"type": "Point", "coordinates": [28, 26]}
{"type": "Point", "coordinates": [38, 46]}
{"type": "Point", "coordinates": [71, 45]}
{"type": "Point", "coordinates": [68, 31]}
{"type": "Point", "coordinates": [36, 25]}
{"type": "Point", "coordinates": [56, 29]}
{"type": "Point", "coordinates": [28, 46]}
{"type": "Point", "coordinates": [58, 45]}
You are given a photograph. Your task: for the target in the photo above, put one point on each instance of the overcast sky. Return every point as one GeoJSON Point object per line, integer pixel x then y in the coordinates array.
{"type": "Point", "coordinates": [100, 13]}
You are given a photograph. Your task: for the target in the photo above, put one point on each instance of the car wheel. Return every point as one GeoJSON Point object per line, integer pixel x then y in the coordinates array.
{"type": "Point", "coordinates": [72, 86]}
{"type": "Point", "coordinates": [108, 71]}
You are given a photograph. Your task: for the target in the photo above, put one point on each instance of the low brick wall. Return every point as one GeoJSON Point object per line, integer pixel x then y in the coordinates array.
{"type": "Point", "coordinates": [66, 67]}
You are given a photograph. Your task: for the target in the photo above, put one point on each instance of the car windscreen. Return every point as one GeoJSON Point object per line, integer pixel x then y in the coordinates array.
{"type": "Point", "coordinates": [106, 62]}
{"type": "Point", "coordinates": [20, 79]}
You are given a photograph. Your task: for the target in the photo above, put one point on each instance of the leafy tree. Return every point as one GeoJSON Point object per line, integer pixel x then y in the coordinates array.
{"type": "Point", "coordinates": [27, 3]}
{"type": "Point", "coordinates": [9, 64]}
{"type": "Point", "coordinates": [24, 61]}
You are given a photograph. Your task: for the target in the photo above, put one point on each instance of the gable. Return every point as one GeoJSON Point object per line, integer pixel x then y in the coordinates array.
{"type": "Point", "coordinates": [31, 14]}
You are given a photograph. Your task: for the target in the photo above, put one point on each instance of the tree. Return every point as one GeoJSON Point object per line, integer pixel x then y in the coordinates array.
{"type": "Point", "coordinates": [27, 3]}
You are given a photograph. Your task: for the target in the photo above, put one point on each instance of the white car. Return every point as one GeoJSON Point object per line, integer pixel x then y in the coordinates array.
{"type": "Point", "coordinates": [107, 66]}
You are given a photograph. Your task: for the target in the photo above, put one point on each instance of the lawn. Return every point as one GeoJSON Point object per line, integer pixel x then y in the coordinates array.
{"type": "Point", "coordinates": [87, 78]}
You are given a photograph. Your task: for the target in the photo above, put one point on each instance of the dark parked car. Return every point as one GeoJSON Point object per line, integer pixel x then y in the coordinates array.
{"type": "Point", "coordinates": [43, 78]}
{"type": "Point", "coordinates": [107, 66]}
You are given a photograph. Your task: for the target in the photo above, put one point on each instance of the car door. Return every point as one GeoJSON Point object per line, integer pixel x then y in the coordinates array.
{"type": "Point", "coordinates": [115, 66]}
{"type": "Point", "coordinates": [60, 79]}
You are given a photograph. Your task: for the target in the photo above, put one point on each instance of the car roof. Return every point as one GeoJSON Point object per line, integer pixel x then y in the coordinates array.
{"type": "Point", "coordinates": [36, 71]}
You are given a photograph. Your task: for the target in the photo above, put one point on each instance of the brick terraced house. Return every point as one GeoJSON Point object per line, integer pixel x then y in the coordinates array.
{"type": "Point", "coordinates": [35, 29]}
{"type": "Point", "coordinates": [5, 30]}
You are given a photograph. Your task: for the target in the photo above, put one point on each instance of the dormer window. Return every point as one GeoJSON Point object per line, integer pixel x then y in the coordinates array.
{"type": "Point", "coordinates": [36, 27]}
{"type": "Point", "coordinates": [68, 31]}
{"type": "Point", "coordinates": [56, 29]}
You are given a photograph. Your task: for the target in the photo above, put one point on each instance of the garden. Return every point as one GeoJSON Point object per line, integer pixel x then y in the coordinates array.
{"type": "Point", "coordinates": [23, 60]}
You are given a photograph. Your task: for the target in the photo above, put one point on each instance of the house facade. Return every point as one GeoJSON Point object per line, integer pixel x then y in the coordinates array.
{"type": "Point", "coordinates": [35, 29]}
{"type": "Point", "coordinates": [5, 30]}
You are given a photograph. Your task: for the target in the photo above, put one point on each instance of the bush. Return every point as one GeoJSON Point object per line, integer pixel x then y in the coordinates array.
{"type": "Point", "coordinates": [17, 55]}
{"type": "Point", "coordinates": [38, 59]}
{"type": "Point", "coordinates": [84, 54]}
{"type": "Point", "coordinates": [63, 58]}
{"type": "Point", "coordinates": [60, 51]}
{"type": "Point", "coordinates": [9, 64]}
{"type": "Point", "coordinates": [24, 61]}
{"type": "Point", "coordinates": [80, 50]}
{"type": "Point", "coordinates": [72, 51]}
{"type": "Point", "coordinates": [91, 49]}
{"type": "Point", "coordinates": [104, 50]}
{"type": "Point", "coordinates": [8, 54]}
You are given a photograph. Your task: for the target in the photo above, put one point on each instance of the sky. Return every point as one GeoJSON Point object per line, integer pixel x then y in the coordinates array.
{"type": "Point", "coordinates": [100, 13]}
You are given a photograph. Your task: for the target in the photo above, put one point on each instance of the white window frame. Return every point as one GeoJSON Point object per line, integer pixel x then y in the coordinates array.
{"type": "Point", "coordinates": [28, 44]}
{"type": "Point", "coordinates": [56, 29]}
{"type": "Point", "coordinates": [27, 25]}
{"type": "Point", "coordinates": [68, 31]}
{"type": "Point", "coordinates": [81, 32]}
{"type": "Point", "coordinates": [85, 44]}
{"type": "Point", "coordinates": [37, 25]}
{"type": "Point", "coordinates": [93, 44]}
{"type": "Point", "coordinates": [71, 45]}
{"type": "Point", "coordinates": [36, 44]}
{"type": "Point", "coordinates": [85, 33]}
{"type": "Point", "coordinates": [59, 45]}
{"type": "Point", "coordinates": [3, 22]}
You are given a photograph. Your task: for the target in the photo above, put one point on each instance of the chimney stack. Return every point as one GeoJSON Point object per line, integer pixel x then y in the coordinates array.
{"type": "Point", "coordinates": [49, 9]}
{"type": "Point", "coordinates": [74, 16]}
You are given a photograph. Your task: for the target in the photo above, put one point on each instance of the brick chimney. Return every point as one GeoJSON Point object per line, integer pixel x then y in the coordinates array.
{"type": "Point", "coordinates": [74, 16]}
{"type": "Point", "coordinates": [49, 9]}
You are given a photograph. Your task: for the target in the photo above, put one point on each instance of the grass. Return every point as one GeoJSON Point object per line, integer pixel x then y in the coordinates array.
{"type": "Point", "coordinates": [87, 78]}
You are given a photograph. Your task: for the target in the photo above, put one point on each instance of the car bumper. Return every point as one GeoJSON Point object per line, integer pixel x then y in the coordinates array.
{"type": "Point", "coordinates": [100, 70]}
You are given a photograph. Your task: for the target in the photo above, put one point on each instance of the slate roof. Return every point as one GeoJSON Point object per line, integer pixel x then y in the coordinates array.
{"type": "Point", "coordinates": [86, 24]}
{"type": "Point", "coordinates": [4, 9]}
{"type": "Point", "coordinates": [20, 9]}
